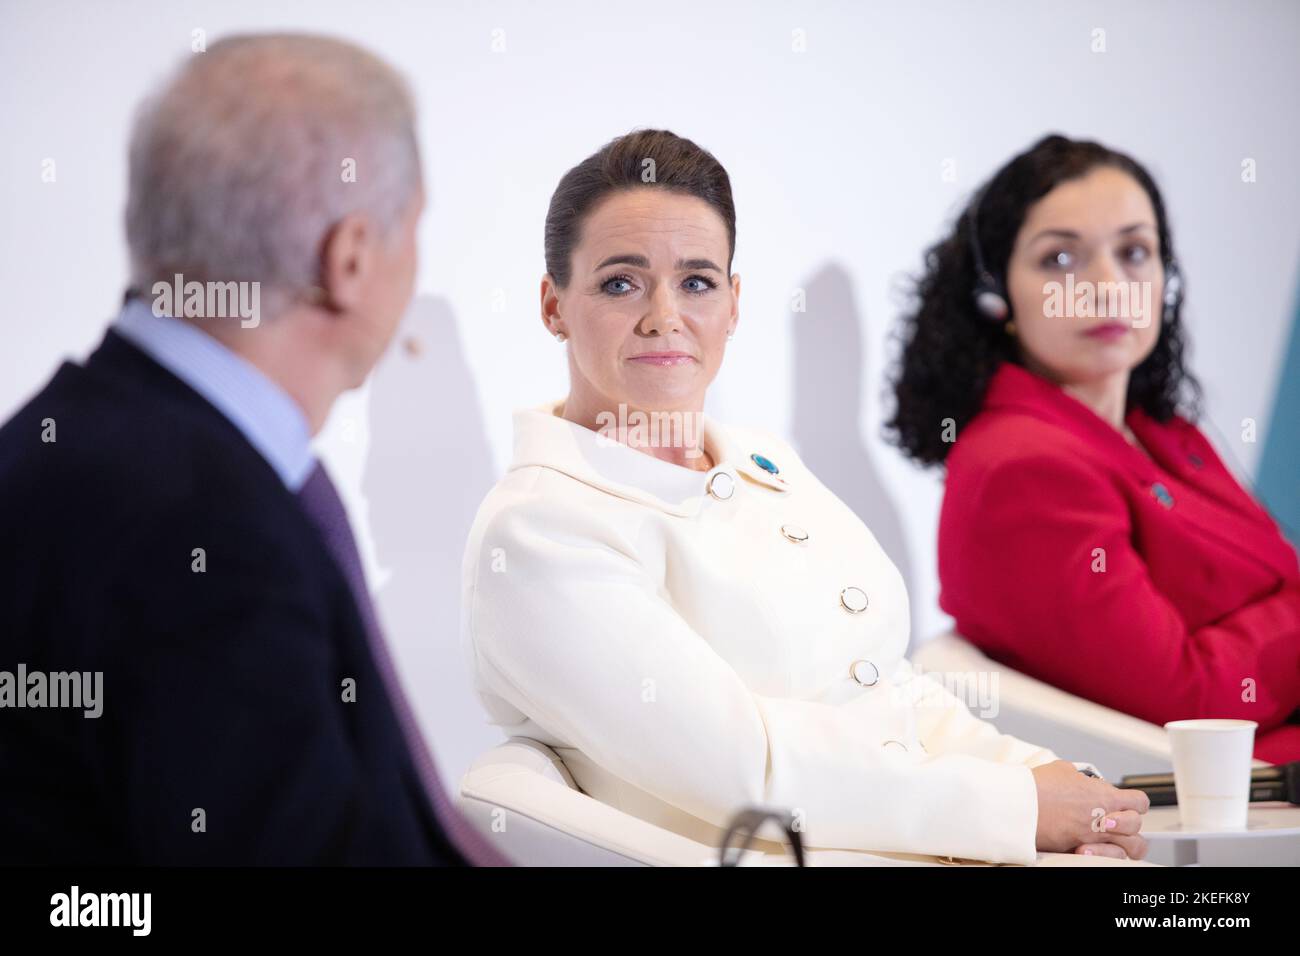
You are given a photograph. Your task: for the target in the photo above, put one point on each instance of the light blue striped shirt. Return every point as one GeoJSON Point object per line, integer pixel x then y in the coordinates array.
{"type": "Point", "coordinates": [265, 414]}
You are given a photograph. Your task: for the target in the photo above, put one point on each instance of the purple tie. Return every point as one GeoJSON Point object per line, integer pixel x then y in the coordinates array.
{"type": "Point", "coordinates": [320, 499]}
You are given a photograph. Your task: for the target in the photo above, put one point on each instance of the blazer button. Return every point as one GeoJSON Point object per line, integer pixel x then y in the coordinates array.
{"type": "Point", "coordinates": [722, 486]}
{"type": "Point", "coordinates": [864, 672]}
{"type": "Point", "coordinates": [794, 533]}
{"type": "Point", "coordinates": [853, 600]}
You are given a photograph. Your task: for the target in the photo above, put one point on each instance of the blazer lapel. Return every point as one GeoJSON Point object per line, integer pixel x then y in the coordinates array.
{"type": "Point", "coordinates": [542, 438]}
{"type": "Point", "coordinates": [1186, 474]}
{"type": "Point", "coordinates": [1209, 496]}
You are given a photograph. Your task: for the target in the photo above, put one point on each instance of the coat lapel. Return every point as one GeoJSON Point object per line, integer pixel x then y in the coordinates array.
{"type": "Point", "coordinates": [545, 439]}
{"type": "Point", "coordinates": [1209, 496]}
{"type": "Point", "coordinates": [1182, 468]}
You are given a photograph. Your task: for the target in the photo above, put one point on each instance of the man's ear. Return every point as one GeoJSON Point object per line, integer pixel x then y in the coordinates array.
{"type": "Point", "coordinates": [347, 259]}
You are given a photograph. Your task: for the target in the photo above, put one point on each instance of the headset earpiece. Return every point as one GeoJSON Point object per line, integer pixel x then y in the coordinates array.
{"type": "Point", "coordinates": [990, 299]}
{"type": "Point", "coordinates": [1173, 286]}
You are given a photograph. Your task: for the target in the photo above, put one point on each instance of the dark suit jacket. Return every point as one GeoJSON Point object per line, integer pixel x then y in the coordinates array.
{"type": "Point", "coordinates": [222, 690]}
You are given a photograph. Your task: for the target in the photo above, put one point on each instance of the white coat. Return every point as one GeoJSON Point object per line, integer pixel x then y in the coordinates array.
{"type": "Point", "coordinates": [691, 643]}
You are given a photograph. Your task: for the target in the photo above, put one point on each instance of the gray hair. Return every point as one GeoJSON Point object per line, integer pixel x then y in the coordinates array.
{"type": "Point", "coordinates": [239, 166]}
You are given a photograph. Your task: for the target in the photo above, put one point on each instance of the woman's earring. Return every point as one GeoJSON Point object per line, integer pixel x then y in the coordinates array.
{"type": "Point", "coordinates": [1010, 326]}
{"type": "Point", "coordinates": [731, 334]}
{"type": "Point", "coordinates": [560, 336]}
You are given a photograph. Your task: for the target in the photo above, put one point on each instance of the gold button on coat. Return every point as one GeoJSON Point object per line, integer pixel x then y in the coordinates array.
{"type": "Point", "coordinates": [853, 600]}
{"type": "Point", "coordinates": [864, 672]}
{"type": "Point", "coordinates": [722, 486]}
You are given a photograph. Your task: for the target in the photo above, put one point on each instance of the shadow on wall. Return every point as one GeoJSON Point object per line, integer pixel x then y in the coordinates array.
{"type": "Point", "coordinates": [428, 468]}
{"type": "Point", "coordinates": [829, 362]}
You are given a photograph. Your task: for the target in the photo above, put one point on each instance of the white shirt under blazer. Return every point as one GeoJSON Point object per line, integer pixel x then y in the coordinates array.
{"type": "Point", "coordinates": [691, 643]}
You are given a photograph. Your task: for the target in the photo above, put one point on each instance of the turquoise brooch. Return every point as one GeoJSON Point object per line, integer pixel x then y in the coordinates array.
{"type": "Point", "coordinates": [1162, 495]}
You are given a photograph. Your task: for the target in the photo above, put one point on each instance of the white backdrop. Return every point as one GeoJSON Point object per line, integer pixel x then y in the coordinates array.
{"type": "Point", "coordinates": [837, 154]}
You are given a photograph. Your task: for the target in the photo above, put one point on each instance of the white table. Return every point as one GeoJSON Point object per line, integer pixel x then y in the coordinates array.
{"type": "Point", "coordinates": [1271, 837]}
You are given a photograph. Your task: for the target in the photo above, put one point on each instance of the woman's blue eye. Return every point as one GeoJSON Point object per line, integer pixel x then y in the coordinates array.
{"type": "Point", "coordinates": [609, 285]}
{"type": "Point", "coordinates": [705, 284]}
{"type": "Point", "coordinates": [1058, 260]}
{"type": "Point", "coordinates": [1137, 254]}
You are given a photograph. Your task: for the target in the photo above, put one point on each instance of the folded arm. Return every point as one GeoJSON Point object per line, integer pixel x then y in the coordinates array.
{"type": "Point", "coordinates": [1110, 635]}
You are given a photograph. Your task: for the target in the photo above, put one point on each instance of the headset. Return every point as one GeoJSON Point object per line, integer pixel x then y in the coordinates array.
{"type": "Point", "coordinates": [991, 302]}
{"type": "Point", "coordinates": [991, 299]}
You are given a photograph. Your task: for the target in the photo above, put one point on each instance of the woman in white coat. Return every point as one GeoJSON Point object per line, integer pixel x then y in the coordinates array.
{"type": "Point", "coordinates": [683, 611]}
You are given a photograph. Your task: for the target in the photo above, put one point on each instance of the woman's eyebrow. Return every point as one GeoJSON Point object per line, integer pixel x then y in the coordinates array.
{"type": "Point", "coordinates": [697, 264]}
{"type": "Point", "coordinates": [641, 262]}
{"type": "Point", "coordinates": [625, 259]}
{"type": "Point", "coordinates": [1071, 234]}
{"type": "Point", "coordinates": [1061, 233]}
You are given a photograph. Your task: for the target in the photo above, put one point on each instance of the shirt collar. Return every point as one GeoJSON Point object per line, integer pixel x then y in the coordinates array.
{"type": "Point", "coordinates": [543, 438]}
{"type": "Point", "coordinates": [263, 412]}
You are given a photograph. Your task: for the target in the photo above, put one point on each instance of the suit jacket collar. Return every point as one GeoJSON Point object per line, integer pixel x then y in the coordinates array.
{"type": "Point", "coordinates": [543, 438]}
{"type": "Point", "coordinates": [268, 417]}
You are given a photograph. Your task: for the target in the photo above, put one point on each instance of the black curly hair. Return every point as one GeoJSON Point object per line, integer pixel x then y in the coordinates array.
{"type": "Point", "coordinates": [950, 350]}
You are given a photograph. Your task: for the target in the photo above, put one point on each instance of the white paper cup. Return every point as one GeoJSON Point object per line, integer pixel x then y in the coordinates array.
{"type": "Point", "coordinates": [1212, 771]}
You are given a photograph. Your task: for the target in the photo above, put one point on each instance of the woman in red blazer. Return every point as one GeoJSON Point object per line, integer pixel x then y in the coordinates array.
{"type": "Point", "coordinates": [1090, 535]}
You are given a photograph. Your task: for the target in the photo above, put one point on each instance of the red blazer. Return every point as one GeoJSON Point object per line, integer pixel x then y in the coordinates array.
{"type": "Point", "coordinates": [1153, 585]}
